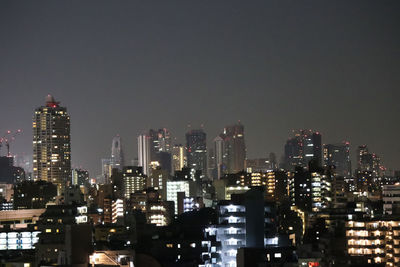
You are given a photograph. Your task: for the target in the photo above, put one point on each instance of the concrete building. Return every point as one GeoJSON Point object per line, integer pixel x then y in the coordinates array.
{"type": "Point", "coordinates": [51, 144]}
{"type": "Point", "coordinates": [391, 199]}
{"type": "Point", "coordinates": [245, 221]}
{"type": "Point", "coordinates": [376, 241]}
{"type": "Point", "coordinates": [133, 180]}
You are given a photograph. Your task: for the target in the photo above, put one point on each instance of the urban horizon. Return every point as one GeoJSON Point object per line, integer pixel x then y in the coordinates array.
{"type": "Point", "coordinates": [199, 133]}
{"type": "Point", "coordinates": [131, 150]}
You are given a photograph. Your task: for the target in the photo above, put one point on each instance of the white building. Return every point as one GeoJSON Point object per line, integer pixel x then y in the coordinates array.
{"type": "Point", "coordinates": [173, 187]}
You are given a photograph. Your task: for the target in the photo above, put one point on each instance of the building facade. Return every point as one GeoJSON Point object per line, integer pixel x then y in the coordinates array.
{"type": "Point", "coordinates": [51, 144]}
{"type": "Point", "coordinates": [196, 145]}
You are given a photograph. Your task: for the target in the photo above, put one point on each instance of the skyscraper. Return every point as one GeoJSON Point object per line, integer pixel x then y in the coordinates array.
{"type": "Point", "coordinates": [144, 152]}
{"type": "Point", "coordinates": [160, 148]}
{"type": "Point", "coordinates": [51, 144]}
{"type": "Point", "coordinates": [160, 140]}
{"type": "Point", "coordinates": [302, 148]}
{"type": "Point", "coordinates": [219, 156]}
{"type": "Point", "coordinates": [230, 150]}
{"type": "Point", "coordinates": [235, 147]}
{"type": "Point", "coordinates": [196, 145]}
{"type": "Point", "coordinates": [178, 157]}
{"type": "Point", "coordinates": [117, 156]}
{"type": "Point", "coordinates": [338, 155]}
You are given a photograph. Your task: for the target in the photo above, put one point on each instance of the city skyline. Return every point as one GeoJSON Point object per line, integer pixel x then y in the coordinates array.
{"type": "Point", "coordinates": [199, 133]}
{"type": "Point", "coordinates": [251, 72]}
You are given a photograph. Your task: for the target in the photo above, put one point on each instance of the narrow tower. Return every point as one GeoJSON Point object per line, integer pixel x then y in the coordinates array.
{"type": "Point", "coordinates": [51, 144]}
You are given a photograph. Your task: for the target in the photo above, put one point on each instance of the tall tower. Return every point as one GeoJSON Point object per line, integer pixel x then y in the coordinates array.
{"type": "Point", "coordinates": [302, 148]}
{"type": "Point", "coordinates": [117, 157]}
{"type": "Point", "coordinates": [178, 157]}
{"type": "Point", "coordinates": [144, 152]}
{"type": "Point", "coordinates": [51, 144]}
{"type": "Point", "coordinates": [235, 147]}
{"type": "Point", "coordinates": [196, 146]}
{"type": "Point", "coordinates": [338, 155]}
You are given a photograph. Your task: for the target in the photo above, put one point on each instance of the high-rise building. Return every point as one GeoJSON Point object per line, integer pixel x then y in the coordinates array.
{"type": "Point", "coordinates": [338, 155]}
{"type": "Point", "coordinates": [133, 180]}
{"type": "Point", "coordinates": [302, 148]}
{"type": "Point", "coordinates": [178, 157]}
{"type": "Point", "coordinates": [369, 171]}
{"type": "Point", "coordinates": [160, 148]}
{"type": "Point", "coordinates": [196, 144]}
{"type": "Point", "coordinates": [144, 152]}
{"type": "Point", "coordinates": [51, 144]}
{"type": "Point", "coordinates": [219, 156]}
{"type": "Point", "coordinates": [80, 177]}
{"type": "Point", "coordinates": [235, 147]}
{"type": "Point", "coordinates": [370, 162]}
{"type": "Point", "coordinates": [106, 171]}
{"type": "Point", "coordinates": [160, 141]}
{"type": "Point", "coordinates": [245, 221]}
{"type": "Point", "coordinates": [117, 156]}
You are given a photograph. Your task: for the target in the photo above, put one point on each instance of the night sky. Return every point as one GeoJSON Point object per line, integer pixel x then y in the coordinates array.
{"type": "Point", "coordinates": [122, 67]}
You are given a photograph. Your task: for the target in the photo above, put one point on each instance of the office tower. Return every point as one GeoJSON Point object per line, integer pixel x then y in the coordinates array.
{"type": "Point", "coordinates": [338, 155]}
{"type": "Point", "coordinates": [178, 157]}
{"type": "Point", "coordinates": [220, 156]}
{"type": "Point", "coordinates": [106, 170]}
{"type": "Point", "coordinates": [133, 180]}
{"type": "Point", "coordinates": [235, 147]}
{"type": "Point", "coordinates": [211, 164]}
{"type": "Point", "coordinates": [117, 156]}
{"type": "Point", "coordinates": [160, 149]}
{"type": "Point", "coordinates": [364, 158]}
{"type": "Point", "coordinates": [302, 148]}
{"type": "Point", "coordinates": [369, 171]}
{"type": "Point", "coordinates": [367, 161]}
{"type": "Point", "coordinates": [160, 141]}
{"type": "Point", "coordinates": [196, 144]}
{"type": "Point", "coordinates": [144, 153]}
{"type": "Point", "coordinates": [51, 144]}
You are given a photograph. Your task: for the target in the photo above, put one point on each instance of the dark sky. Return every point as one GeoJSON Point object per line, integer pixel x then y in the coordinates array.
{"type": "Point", "coordinates": [122, 67]}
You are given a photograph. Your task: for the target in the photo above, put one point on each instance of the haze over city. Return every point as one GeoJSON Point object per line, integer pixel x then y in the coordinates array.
{"type": "Point", "coordinates": [199, 133]}
{"type": "Point", "coordinates": [125, 67]}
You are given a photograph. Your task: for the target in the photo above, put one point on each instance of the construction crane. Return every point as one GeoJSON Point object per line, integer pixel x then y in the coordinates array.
{"type": "Point", "coordinates": [7, 138]}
